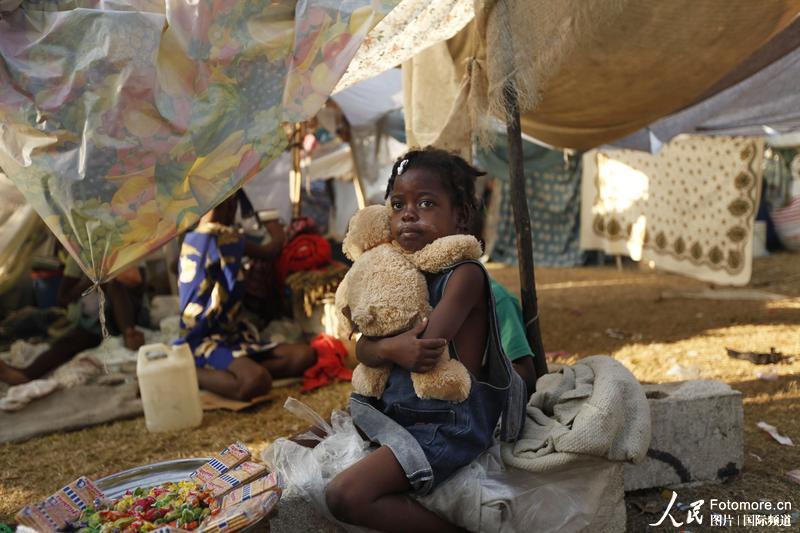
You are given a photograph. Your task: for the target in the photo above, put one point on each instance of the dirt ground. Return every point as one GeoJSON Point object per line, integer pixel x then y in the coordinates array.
{"type": "Point", "coordinates": [584, 311]}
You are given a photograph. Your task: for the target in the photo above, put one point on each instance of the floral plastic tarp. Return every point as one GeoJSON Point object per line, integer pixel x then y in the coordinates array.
{"type": "Point", "coordinates": [123, 121]}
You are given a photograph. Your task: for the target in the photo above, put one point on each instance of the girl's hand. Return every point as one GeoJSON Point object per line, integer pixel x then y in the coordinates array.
{"type": "Point", "coordinates": [411, 352]}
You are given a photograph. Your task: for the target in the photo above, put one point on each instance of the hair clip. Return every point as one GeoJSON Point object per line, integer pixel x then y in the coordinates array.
{"type": "Point", "coordinates": [402, 166]}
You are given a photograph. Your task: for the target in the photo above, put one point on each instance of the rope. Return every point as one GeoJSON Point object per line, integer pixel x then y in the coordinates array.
{"type": "Point", "coordinates": [101, 296]}
{"type": "Point", "coordinates": [102, 307]}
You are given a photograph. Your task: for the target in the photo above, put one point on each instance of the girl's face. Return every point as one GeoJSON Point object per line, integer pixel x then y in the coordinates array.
{"type": "Point", "coordinates": [422, 209]}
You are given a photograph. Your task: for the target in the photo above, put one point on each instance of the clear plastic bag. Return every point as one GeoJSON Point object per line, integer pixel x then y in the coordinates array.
{"type": "Point", "coordinates": [308, 471]}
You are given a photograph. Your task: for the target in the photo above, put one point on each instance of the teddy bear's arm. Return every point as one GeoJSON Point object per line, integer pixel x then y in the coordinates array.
{"type": "Point", "coordinates": [446, 251]}
{"type": "Point", "coordinates": [344, 324]}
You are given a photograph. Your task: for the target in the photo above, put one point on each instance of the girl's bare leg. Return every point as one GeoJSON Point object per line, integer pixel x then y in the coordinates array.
{"type": "Point", "coordinates": [373, 493]}
{"type": "Point", "coordinates": [243, 380]}
{"type": "Point", "coordinates": [289, 360]}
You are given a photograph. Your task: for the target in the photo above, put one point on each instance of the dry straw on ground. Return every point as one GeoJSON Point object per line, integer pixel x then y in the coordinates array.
{"type": "Point", "coordinates": [659, 339]}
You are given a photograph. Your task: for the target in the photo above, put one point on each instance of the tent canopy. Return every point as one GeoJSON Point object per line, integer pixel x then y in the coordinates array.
{"type": "Point", "coordinates": [120, 150]}
{"type": "Point", "coordinates": [588, 73]}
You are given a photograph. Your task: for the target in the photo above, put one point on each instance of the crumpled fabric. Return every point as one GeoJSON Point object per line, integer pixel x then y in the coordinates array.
{"type": "Point", "coordinates": [595, 408]}
{"type": "Point", "coordinates": [114, 357]}
{"type": "Point", "coordinates": [110, 362]}
{"type": "Point", "coordinates": [307, 251]}
{"type": "Point", "coordinates": [331, 354]}
{"type": "Point", "coordinates": [80, 371]}
{"type": "Point", "coordinates": [19, 396]}
{"type": "Point", "coordinates": [164, 306]}
{"type": "Point", "coordinates": [22, 353]}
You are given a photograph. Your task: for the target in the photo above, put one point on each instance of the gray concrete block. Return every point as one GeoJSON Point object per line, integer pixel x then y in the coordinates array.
{"type": "Point", "coordinates": [611, 514]}
{"type": "Point", "coordinates": [697, 435]}
{"type": "Point", "coordinates": [295, 514]}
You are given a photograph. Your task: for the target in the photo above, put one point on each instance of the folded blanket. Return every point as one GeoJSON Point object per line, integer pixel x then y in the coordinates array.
{"type": "Point", "coordinates": [21, 395]}
{"type": "Point", "coordinates": [593, 408]}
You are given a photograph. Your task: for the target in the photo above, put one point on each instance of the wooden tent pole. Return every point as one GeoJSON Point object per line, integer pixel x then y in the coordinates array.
{"type": "Point", "coordinates": [358, 180]}
{"type": "Point", "coordinates": [522, 225]}
{"type": "Point", "coordinates": [295, 173]}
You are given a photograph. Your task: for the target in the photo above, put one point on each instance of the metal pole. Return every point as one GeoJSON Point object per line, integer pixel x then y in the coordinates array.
{"type": "Point", "coordinates": [522, 225]}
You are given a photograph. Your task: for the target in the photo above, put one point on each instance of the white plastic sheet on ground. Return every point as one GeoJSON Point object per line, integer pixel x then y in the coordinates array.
{"type": "Point", "coordinates": [482, 496]}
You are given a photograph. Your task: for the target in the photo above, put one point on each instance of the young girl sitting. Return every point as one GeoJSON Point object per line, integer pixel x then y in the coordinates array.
{"type": "Point", "coordinates": [423, 442]}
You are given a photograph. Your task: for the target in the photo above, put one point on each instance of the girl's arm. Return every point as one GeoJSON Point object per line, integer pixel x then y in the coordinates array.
{"type": "Point", "coordinates": [404, 349]}
{"type": "Point", "coordinates": [464, 295]}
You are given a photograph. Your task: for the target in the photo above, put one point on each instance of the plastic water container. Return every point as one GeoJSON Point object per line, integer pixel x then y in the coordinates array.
{"type": "Point", "coordinates": [168, 385]}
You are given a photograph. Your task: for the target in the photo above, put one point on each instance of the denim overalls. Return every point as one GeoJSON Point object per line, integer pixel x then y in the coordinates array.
{"type": "Point", "coordinates": [431, 439]}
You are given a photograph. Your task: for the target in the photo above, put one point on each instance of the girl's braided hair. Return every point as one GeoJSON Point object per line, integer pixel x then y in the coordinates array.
{"type": "Point", "coordinates": [458, 178]}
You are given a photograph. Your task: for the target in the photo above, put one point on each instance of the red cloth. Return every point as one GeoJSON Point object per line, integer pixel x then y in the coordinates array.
{"type": "Point", "coordinates": [306, 251]}
{"type": "Point", "coordinates": [331, 354]}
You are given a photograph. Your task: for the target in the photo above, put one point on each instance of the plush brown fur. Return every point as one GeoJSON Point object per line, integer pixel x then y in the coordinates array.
{"type": "Point", "coordinates": [385, 293]}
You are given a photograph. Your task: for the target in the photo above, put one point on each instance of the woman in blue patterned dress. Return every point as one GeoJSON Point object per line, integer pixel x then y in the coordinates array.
{"type": "Point", "coordinates": [231, 359]}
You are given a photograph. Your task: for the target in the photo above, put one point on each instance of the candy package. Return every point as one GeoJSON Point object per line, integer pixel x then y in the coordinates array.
{"type": "Point", "coordinates": [271, 482]}
{"type": "Point", "coordinates": [243, 514]}
{"type": "Point", "coordinates": [231, 456]}
{"type": "Point", "coordinates": [243, 473]}
{"type": "Point", "coordinates": [58, 510]}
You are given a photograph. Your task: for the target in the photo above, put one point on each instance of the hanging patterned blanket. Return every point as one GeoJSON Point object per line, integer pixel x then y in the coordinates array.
{"type": "Point", "coordinates": [689, 209]}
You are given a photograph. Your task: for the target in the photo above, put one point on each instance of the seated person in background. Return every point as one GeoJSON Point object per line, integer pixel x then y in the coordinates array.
{"type": "Point", "coordinates": [512, 334]}
{"type": "Point", "coordinates": [231, 360]}
{"type": "Point", "coordinates": [261, 288]}
{"type": "Point", "coordinates": [124, 305]}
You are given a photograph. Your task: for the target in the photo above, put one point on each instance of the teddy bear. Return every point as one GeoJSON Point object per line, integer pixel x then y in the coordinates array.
{"type": "Point", "coordinates": [385, 293]}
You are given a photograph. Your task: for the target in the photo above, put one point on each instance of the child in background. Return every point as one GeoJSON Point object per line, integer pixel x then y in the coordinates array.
{"type": "Point", "coordinates": [422, 442]}
{"type": "Point", "coordinates": [512, 332]}
{"type": "Point", "coordinates": [125, 309]}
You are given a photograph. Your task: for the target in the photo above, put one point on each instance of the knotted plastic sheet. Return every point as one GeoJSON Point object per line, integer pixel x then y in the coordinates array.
{"type": "Point", "coordinates": [123, 121]}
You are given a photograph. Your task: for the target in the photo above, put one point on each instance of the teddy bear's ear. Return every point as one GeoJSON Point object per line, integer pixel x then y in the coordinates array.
{"type": "Point", "coordinates": [351, 250]}
{"type": "Point", "coordinates": [368, 228]}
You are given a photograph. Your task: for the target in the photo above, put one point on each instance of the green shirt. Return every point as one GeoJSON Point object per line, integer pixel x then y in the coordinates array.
{"type": "Point", "coordinates": [509, 318]}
